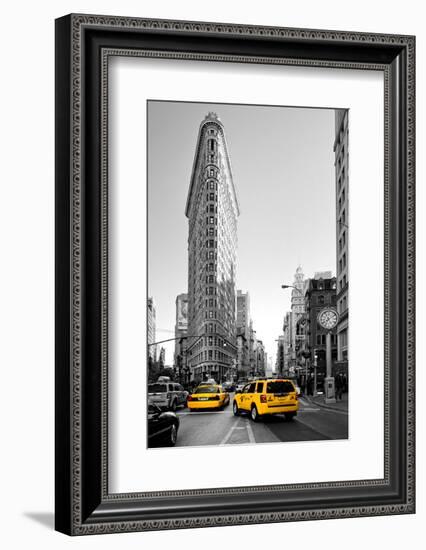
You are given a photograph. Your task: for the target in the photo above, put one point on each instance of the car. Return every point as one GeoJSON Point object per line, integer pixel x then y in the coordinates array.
{"type": "Point", "coordinates": [208, 396]}
{"type": "Point", "coordinates": [240, 385]}
{"type": "Point", "coordinates": [209, 382]}
{"type": "Point", "coordinates": [167, 395]}
{"type": "Point", "coordinates": [163, 427]}
{"type": "Point", "coordinates": [267, 397]}
{"type": "Point", "coordinates": [228, 386]}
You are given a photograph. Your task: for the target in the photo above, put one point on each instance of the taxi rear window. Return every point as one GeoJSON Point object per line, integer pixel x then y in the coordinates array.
{"type": "Point", "coordinates": [207, 389]}
{"type": "Point", "coordinates": [279, 387]}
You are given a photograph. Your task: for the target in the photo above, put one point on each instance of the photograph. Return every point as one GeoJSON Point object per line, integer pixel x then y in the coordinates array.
{"type": "Point", "coordinates": [247, 274]}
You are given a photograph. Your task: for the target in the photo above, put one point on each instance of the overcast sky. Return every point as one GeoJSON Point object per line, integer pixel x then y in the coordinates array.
{"type": "Point", "coordinates": [283, 169]}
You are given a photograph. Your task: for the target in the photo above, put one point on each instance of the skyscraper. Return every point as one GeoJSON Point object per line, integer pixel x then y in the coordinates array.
{"type": "Point", "coordinates": [151, 321]}
{"type": "Point", "coordinates": [342, 237]}
{"type": "Point", "coordinates": [212, 211]}
{"type": "Point", "coordinates": [243, 333]}
{"type": "Point", "coordinates": [181, 327]}
{"type": "Point", "coordinates": [297, 308]}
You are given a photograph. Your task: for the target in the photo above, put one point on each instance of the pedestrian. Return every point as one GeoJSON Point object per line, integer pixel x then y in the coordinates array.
{"type": "Point", "coordinates": [310, 385]}
{"type": "Point", "coordinates": [338, 386]}
{"type": "Point", "coordinates": [345, 383]}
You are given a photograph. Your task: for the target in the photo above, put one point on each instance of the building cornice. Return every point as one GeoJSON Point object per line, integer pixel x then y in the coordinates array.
{"type": "Point", "coordinates": [208, 122]}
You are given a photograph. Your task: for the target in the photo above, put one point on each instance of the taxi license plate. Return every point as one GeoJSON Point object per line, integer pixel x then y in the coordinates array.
{"type": "Point", "coordinates": [203, 398]}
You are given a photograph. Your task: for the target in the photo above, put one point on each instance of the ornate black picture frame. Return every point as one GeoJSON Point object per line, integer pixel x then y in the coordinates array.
{"type": "Point", "coordinates": [83, 45]}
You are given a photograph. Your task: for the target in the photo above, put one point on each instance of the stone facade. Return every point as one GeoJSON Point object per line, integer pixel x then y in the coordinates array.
{"type": "Point", "coordinates": [342, 238]}
{"type": "Point", "coordinates": [212, 211]}
{"type": "Point", "coordinates": [151, 322]}
{"type": "Point", "coordinates": [319, 293]}
{"type": "Point", "coordinates": [181, 328]}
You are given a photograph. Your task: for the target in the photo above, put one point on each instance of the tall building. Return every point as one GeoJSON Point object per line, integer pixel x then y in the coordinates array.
{"type": "Point", "coordinates": [212, 211]}
{"type": "Point", "coordinates": [151, 322]}
{"type": "Point", "coordinates": [260, 358]}
{"type": "Point", "coordinates": [280, 365]}
{"type": "Point", "coordinates": [243, 365]}
{"type": "Point", "coordinates": [342, 237]}
{"type": "Point", "coordinates": [319, 293]}
{"type": "Point", "coordinates": [297, 310]}
{"type": "Point", "coordinates": [243, 312]}
{"type": "Point", "coordinates": [243, 333]}
{"type": "Point", "coordinates": [181, 327]}
{"type": "Point", "coordinates": [286, 342]}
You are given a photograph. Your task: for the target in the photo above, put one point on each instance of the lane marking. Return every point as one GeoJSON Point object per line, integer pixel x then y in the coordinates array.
{"type": "Point", "coordinates": [229, 433]}
{"type": "Point", "coordinates": [270, 434]}
{"type": "Point", "coordinates": [314, 430]}
{"type": "Point", "coordinates": [250, 432]}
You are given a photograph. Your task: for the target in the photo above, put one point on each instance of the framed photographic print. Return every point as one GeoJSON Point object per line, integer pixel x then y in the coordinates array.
{"type": "Point", "coordinates": [234, 274]}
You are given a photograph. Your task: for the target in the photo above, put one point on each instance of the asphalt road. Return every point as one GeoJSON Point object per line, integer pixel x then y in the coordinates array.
{"type": "Point", "coordinates": [223, 428]}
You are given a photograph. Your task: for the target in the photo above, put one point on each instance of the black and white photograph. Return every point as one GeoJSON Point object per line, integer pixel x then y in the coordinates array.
{"type": "Point", "coordinates": [247, 274]}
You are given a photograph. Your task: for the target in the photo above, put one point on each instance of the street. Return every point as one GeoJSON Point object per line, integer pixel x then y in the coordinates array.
{"type": "Point", "coordinates": [223, 428]}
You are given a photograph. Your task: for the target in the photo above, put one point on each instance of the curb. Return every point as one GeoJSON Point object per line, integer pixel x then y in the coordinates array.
{"type": "Point", "coordinates": [323, 406]}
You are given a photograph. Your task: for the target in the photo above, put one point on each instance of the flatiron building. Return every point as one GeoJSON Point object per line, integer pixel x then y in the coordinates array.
{"type": "Point", "coordinates": [212, 211]}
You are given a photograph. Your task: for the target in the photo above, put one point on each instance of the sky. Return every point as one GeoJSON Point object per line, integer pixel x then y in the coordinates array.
{"type": "Point", "coordinates": [283, 169]}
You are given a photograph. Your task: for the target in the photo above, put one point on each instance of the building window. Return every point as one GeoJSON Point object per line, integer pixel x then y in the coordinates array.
{"type": "Point", "coordinates": [212, 185]}
{"type": "Point", "coordinates": [211, 219]}
{"type": "Point", "coordinates": [321, 299]}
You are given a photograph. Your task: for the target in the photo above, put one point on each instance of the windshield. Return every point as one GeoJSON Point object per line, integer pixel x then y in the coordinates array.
{"type": "Point", "coordinates": [279, 387]}
{"type": "Point", "coordinates": [207, 389]}
{"type": "Point", "coordinates": [157, 388]}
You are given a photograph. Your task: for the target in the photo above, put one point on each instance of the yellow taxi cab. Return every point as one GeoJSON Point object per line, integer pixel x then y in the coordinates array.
{"type": "Point", "coordinates": [267, 396]}
{"type": "Point", "coordinates": [208, 396]}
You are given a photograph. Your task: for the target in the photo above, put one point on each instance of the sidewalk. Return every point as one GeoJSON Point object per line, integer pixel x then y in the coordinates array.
{"type": "Point", "coordinates": [319, 400]}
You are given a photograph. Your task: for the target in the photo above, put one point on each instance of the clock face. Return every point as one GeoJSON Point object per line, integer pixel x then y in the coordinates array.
{"type": "Point", "coordinates": [328, 318]}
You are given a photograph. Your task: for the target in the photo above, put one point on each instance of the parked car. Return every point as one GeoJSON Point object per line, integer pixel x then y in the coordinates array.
{"type": "Point", "coordinates": [167, 395]}
{"type": "Point", "coordinates": [228, 386]}
{"type": "Point", "coordinates": [208, 396]}
{"type": "Point", "coordinates": [265, 397]}
{"type": "Point", "coordinates": [163, 426]}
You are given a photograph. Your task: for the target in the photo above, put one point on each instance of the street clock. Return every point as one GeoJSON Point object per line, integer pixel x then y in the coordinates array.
{"type": "Point", "coordinates": [328, 318]}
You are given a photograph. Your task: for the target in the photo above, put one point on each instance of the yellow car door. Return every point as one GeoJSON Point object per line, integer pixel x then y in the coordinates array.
{"type": "Point", "coordinates": [247, 396]}
{"type": "Point", "coordinates": [241, 397]}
